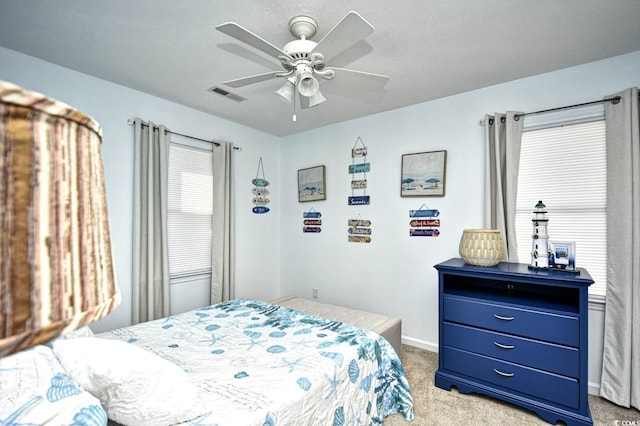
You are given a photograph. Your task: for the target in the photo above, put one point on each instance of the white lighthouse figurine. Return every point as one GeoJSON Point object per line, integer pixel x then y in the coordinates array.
{"type": "Point", "coordinates": [540, 243]}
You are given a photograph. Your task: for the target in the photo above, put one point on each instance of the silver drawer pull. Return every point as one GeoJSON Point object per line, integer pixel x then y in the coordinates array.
{"type": "Point", "coordinates": [500, 345]}
{"type": "Point", "coordinates": [503, 373]}
{"type": "Point", "coordinates": [500, 317]}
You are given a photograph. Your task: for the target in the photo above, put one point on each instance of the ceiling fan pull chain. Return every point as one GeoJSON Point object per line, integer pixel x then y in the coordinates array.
{"type": "Point", "coordinates": [294, 107]}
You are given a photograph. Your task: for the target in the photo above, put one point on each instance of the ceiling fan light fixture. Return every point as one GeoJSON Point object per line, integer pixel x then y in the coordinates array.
{"type": "Point", "coordinates": [307, 84]}
{"type": "Point", "coordinates": [316, 99]}
{"type": "Point", "coordinates": [286, 92]}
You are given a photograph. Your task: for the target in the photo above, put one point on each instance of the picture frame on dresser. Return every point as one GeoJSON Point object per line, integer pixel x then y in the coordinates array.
{"type": "Point", "coordinates": [562, 255]}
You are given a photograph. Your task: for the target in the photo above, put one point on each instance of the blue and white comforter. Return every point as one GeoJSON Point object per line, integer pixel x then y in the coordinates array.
{"type": "Point", "coordinates": [261, 364]}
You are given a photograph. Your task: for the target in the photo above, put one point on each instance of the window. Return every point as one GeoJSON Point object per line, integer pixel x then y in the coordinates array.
{"type": "Point", "coordinates": [563, 163]}
{"type": "Point", "coordinates": [190, 209]}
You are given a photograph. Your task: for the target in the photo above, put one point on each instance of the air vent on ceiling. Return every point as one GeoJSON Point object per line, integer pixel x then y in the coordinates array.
{"type": "Point", "coordinates": [226, 94]}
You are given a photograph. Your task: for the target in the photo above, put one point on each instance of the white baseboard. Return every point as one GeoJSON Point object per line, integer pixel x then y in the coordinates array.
{"type": "Point", "coordinates": [421, 344]}
{"type": "Point", "coordinates": [594, 388]}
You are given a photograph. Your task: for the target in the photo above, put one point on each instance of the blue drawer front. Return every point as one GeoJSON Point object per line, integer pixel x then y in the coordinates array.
{"type": "Point", "coordinates": [532, 353]}
{"type": "Point", "coordinates": [550, 327]}
{"type": "Point", "coordinates": [529, 381]}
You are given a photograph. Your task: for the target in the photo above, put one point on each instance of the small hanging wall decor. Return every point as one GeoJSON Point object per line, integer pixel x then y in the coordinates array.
{"type": "Point", "coordinates": [359, 230]}
{"type": "Point", "coordinates": [361, 168]}
{"type": "Point", "coordinates": [428, 223]}
{"type": "Point", "coordinates": [260, 191]}
{"type": "Point", "coordinates": [312, 222]}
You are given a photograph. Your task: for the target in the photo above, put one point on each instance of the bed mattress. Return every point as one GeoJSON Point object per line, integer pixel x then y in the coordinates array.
{"type": "Point", "coordinates": [258, 363]}
{"type": "Point", "coordinates": [389, 328]}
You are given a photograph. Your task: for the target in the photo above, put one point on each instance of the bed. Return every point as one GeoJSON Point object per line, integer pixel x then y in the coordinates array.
{"type": "Point", "coordinates": [242, 362]}
{"type": "Point", "coordinates": [387, 327]}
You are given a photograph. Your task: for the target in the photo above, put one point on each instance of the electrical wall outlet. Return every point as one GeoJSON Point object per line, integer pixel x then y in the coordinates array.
{"type": "Point", "coordinates": [315, 293]}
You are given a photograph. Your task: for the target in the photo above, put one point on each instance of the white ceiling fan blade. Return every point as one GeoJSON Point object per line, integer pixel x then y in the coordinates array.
{"type": "Point", "coordinates": [360, 78]}
{"type": "Point", "coordinates": [244, 35]}
{"type": "Point", "coordinates": [245, 81]}
{"type": "Point", "coordinates": [350, 30]}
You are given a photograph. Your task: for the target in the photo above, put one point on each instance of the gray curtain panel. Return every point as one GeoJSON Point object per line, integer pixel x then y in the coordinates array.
{"type": "Point", "coordinates": [150, 241]}
{"type": "Point", "coordinates": [503, 140]}
{"type": "Point", "coordinates": [621, 358]}
{"type": "Point", "coordinates": [223, 251]}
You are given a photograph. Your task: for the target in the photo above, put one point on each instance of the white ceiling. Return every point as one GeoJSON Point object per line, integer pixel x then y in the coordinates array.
{"type": "Point", "coordinates": [428, 48]}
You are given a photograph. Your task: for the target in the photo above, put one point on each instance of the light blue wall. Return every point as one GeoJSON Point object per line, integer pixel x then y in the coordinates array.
{"type": "Point", "coordinates": [395, 273]}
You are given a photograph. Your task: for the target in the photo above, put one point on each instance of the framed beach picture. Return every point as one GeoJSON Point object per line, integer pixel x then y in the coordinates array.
{"type": "Point", "coordinates": [423, 174]}
{"type": "Point", "coordinates": [562, 255]}
{"type": "Point", "coordinates": [311, 184]}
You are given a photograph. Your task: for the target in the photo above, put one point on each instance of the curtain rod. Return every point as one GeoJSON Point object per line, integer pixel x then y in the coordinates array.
{"type": "Point", "coordinates": [614, 100]}
{"type": "Point", "coordinates": [130, 122]}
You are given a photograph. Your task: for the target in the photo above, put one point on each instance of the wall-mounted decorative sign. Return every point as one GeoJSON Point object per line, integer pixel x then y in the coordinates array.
{"type": "Point", "coordinates": [312, 221]}
{"type": "Point", "coordinates": [424, 232]}
{"type": "Point", "coordinates": [359, 168]}
{"type": "Point", "coordinates": [358, 172]}
{"type": "Point", "coordinates": [424, 212]}
{"type": "Point", "coordinates": [260, 191]}
{"type": "Point", "coordinates": [359, 230]}
{"type": "Point", "coordinates": [260, 209]}
{"type": "Point", "coordinates": [311, 184]}
{"type": "Point", "coordinates": [427, 225]}
{"type": "Point", "coordinates": [359, 200]}
{"type": "Point", "coordinates": [423, 174]}
{"type": "Point", "coordinates": [360, 151]}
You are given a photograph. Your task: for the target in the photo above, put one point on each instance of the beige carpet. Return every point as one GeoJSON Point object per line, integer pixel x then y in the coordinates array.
{"type": "Point", "coordinates": [434, 406]}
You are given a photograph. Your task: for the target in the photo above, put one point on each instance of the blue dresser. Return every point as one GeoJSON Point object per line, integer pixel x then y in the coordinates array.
{"type": "Point", "coordinates": [516, 334]}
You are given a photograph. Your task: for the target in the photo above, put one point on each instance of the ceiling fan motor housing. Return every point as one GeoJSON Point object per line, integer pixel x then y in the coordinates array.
{"type": "Point", "coordinates": [299, 51]}
{"type": "Point", "coordinates": [303, 28]}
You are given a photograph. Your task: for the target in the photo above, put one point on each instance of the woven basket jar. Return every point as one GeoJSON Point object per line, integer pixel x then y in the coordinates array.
{"type": "Point", "coordinates": [481, 247]}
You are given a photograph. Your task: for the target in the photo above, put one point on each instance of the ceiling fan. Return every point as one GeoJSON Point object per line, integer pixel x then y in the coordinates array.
{"type": "Point", "coordinates": [303, 59]}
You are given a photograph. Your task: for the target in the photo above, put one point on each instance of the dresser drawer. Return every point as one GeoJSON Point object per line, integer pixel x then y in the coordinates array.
{"type": "Point", "coordinates": [535, 324]}
{"type": "Point", "coordinates": [539, 384]}
{"type": "Point", "coordinates": [532, 353]}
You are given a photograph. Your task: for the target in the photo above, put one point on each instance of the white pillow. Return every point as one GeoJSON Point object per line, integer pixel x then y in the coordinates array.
{"type": "Point", "coordinates": [34, 389]}
{"type": "Point", "coordinates": [80, 332]}
{"type": "Point", "coordinates": [136, 387]}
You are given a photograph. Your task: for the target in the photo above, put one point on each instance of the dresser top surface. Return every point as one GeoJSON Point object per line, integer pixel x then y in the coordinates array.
{"type": "Point", "coordinates": [582, 277]}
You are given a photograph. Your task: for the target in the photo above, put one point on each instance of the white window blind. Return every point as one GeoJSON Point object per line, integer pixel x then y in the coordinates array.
{"type": "Point", "coordinates": [190, 209]}
{"type": "Point", "coordinates": [564, 165]}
